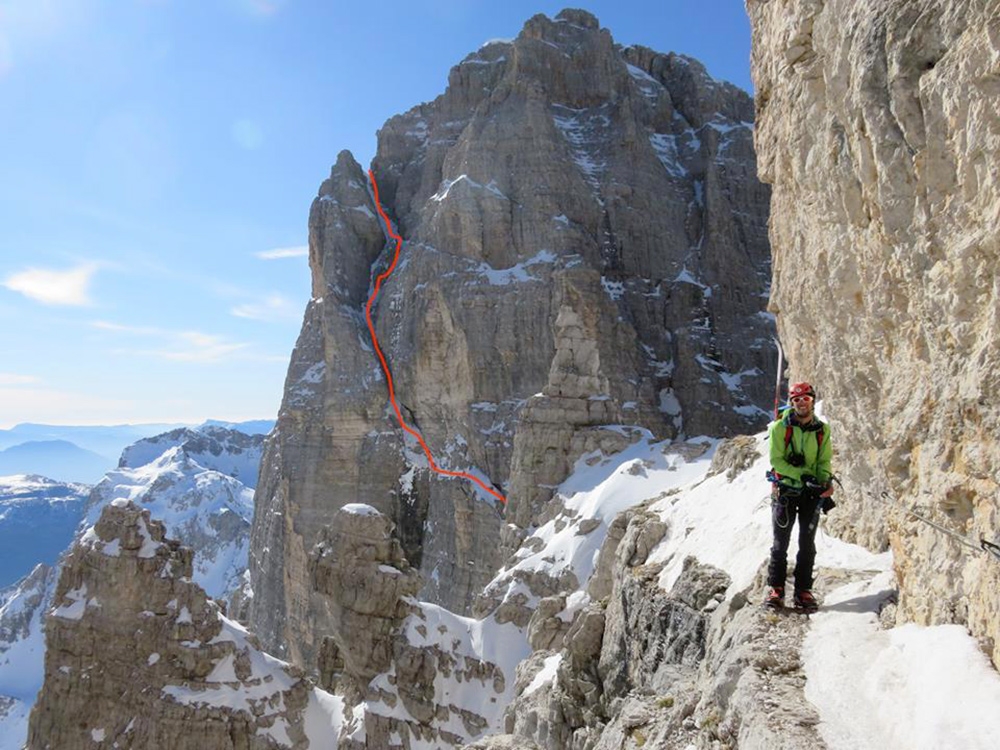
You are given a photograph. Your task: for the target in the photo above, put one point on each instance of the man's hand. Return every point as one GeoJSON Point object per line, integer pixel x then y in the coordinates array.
{"type": "Point", "coordinates": [812, 484]}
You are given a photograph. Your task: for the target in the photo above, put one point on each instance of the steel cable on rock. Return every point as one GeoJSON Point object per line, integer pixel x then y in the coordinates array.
{"type": "Point", "coordinates": [983, 545]}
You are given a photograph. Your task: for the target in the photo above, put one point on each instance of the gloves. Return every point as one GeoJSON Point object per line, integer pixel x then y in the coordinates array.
{"type": "Point", "coordinates": [828, 505]}
{"type": "Point", "coordinates": [811, 483]}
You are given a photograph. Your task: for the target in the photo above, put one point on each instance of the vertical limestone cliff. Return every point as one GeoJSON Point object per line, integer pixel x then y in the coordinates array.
{"type": "Point", "coordinates": [584, 244]}
{"type": "Point", "coordinates": [879, 129]}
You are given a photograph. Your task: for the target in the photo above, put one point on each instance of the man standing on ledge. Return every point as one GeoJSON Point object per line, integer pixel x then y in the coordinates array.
{"type": "Point", "coordinates": [800, 470]}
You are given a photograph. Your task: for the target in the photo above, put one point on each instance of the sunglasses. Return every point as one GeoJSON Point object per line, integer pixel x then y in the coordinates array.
{"type": "Point", "coordinates": [802, 399]}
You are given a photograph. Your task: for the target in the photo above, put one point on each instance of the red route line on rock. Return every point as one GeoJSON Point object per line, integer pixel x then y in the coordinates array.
{"type": "Point", "coordinates": [385, 367]}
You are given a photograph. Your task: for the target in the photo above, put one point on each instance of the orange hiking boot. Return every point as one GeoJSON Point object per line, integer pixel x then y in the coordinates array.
{"type": "Point", "coordinates": [805, 601]}
{"type": "Point", "coordinates": [775, 597]}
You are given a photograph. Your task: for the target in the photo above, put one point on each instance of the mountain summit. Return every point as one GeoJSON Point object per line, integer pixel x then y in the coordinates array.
{"type": "Point", "coordinates": [584, 244]}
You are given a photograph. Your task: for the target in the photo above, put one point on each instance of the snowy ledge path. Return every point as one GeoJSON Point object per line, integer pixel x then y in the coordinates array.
{"type": "Point", "coordinates": [902, 688]}
{"type": "Point", "coordinates": [919, 688]}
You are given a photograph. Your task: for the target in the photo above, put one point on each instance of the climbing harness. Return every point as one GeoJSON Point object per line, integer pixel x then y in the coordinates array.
{"type": "Point", "coordinates": [779, 505]}
{"type": "Point", "coordinates": [983, 546]}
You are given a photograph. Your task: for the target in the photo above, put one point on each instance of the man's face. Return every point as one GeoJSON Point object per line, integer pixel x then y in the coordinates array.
{"type": "Point", "coordinates": [803, 406]}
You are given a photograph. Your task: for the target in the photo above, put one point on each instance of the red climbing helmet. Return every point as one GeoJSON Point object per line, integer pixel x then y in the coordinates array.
{"type": "Point", "coordinates": [801, 389]}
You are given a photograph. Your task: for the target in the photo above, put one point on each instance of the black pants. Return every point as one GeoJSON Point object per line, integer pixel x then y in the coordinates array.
{"type": "Point", "coordinates": [784, 510]}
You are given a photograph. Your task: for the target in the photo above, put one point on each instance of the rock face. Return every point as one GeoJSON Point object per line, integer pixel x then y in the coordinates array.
{"type": "Point", "coordinates": [138, 656]}
{"type": "Point", "coordinates": [584, 244]}
{"type": "Point", "coordinates": [696, 666]}
{"type": "Point", "coordinates": [620, 653]}
{"type": "Point", "coordinates": [360, 569]}
{"type": "Point", "coordinates": [879, 129]}
{"type": "Point", "coordinates": [187, 479]}
{"type": "Point", "coordinates": [408, 669]}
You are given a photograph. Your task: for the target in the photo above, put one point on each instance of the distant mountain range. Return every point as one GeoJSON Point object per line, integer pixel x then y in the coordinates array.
{"type": "Point", "coordinates": [105, 440]}
{"type": "Point", "coordinates": [69, 453]}
{"type": "Point", "coordinates": [37, 520]}
{"type": "Point", "coordinates": [60, 460]}
{"type": "Point", "coordinates": [250, 427]}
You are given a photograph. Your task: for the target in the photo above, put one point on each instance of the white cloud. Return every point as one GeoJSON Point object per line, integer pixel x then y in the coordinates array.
{"type": "Point", "coordinates": [106, 325]}
{"type": "Point", "coordinates": [13, 379]}
{"type": "Point", "coordinates": [299, 251]}
{"type": "Point", "coordinates": [49, 406]}
{"type": "Point", "coordinates": [199, 347]}
{"type": "Point", "coordinates": [273, 308]}
{"type": "Point", "coordinates": [70, 287]}
{"type": "Point", "coordinates": [178, 346]}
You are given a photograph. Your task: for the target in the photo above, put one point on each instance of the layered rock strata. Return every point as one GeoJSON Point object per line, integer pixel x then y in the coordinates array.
{"type": "Point", "coordinates": [411, 672]}
{"type": "Point", "coordinates": [186, 478]}
{"type": "Point", "coordinates": [138, 656]}
{"type": "Point", "coordinates": [879, 129]}
{"type": "Point", "coordinates": [584, 244]}
{"type": "Point", "coordinates": [632, 644]}
{"type": "Point", "coordinates": [360, 570]}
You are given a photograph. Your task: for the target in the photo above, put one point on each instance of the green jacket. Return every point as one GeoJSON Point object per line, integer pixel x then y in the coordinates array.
{"type": "Point", "coordinates": [803, 442]}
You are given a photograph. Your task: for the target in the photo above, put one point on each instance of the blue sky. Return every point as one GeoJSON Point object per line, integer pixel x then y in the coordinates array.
{"type": "Point", "coordinates": [155, 154]}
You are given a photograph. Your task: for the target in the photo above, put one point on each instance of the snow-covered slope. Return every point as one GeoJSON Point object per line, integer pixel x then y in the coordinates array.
{"type": "Point", "coordinates": [599, 488]}
{"type": "Point", "coordinates": [869, 685]}
{"type": "Point", "coordinates": [22, 647]}
{"type": "Point", "coordinates": [38, 517]}
{"type": "Point", "coordinates": [249, 427]}
{"type": "Point", "coordinates": [222, 450]}
{"type": "Point", "coordinates": [200, 484]}
{"type": "Point", "coordinates": [477, 660]}
{"type": "Point", "coordinates": [140, 657]}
